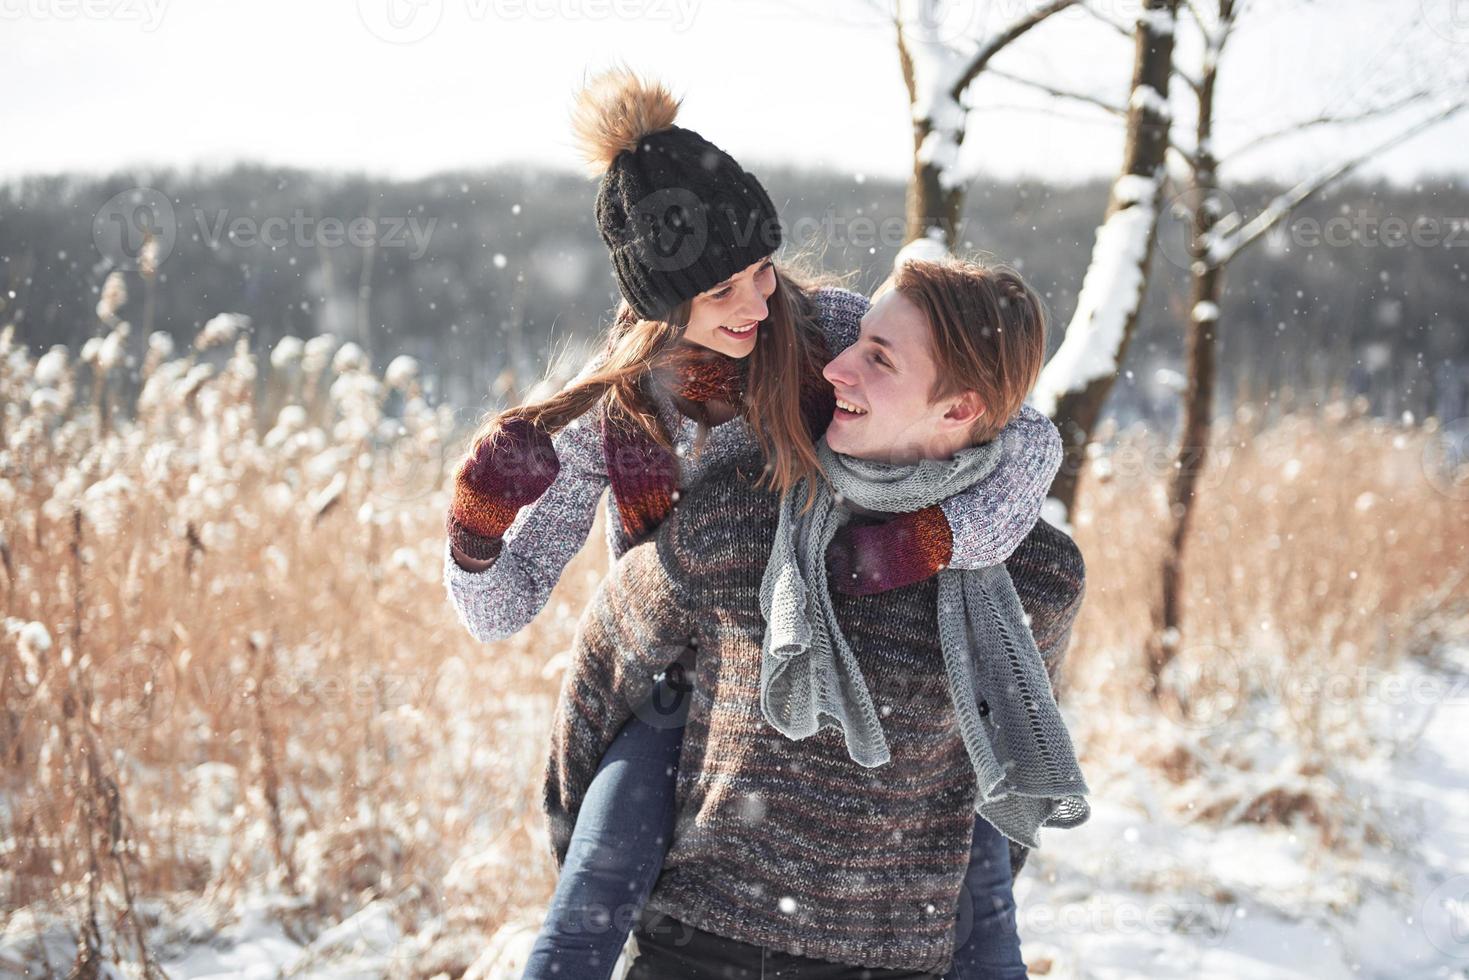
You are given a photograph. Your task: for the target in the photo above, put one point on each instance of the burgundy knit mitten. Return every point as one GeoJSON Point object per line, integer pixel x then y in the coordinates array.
{"type": "Point", "coordinates": [644, 477]}
{"type": "Point", "coordinates": [501, 475]}
{"type": "Point", "coordinates": [878, 557]}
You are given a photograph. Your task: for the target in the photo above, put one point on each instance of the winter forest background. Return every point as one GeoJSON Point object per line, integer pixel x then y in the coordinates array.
{"type": "Point", "coordinates": [483, 271]}
{"type": "Point", "coordinates": [262, 271]}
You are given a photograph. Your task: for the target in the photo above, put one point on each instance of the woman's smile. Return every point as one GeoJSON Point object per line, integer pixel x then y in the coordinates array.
{"type": "Point", "coordinates": [745, 331]}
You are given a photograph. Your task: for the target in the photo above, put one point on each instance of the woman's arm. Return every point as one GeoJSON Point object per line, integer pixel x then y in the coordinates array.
{"type": "Point", "coordinates": [990, 519]}
{"type": "Point", "coordinates": [839, 313]}
{"type": "Point", "coordinates": [977, 528]}
{"type": "Point", "coordinates": [502, 597]}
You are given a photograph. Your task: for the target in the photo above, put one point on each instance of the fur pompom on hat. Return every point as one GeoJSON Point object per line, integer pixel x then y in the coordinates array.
{"type": "Point", "coordinates": [677, 213]}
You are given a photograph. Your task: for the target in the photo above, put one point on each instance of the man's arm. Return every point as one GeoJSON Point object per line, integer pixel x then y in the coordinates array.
{"type": "Point", "coordinates": [636, 625]}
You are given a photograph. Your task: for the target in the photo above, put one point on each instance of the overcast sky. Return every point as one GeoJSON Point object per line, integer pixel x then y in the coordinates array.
{"type": "Point", "coordinates": [409, 87]}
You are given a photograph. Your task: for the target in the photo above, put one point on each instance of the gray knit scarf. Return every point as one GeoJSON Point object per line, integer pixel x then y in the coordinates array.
{"type": "Point", "coordinates": [1023, 759]}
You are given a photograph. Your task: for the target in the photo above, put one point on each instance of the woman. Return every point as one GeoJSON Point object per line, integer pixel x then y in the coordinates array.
{"type": "Point", "coordinates": [713, 352]}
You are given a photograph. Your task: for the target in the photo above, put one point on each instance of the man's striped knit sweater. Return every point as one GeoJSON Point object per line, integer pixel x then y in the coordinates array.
{"type": "Point", "coordinates": [781, 843]}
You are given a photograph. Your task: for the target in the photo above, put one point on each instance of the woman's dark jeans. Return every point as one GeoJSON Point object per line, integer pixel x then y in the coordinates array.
{"type": "Point", "coordinates": [987, 944]}
{"type": "Point", "coordinates": [624, 829]}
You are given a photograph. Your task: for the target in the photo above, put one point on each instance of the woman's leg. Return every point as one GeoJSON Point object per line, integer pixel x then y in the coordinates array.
{"type": "Point", "coordinates": [623, 830]}
{"type": "Point", "coordinates": [988, 943]}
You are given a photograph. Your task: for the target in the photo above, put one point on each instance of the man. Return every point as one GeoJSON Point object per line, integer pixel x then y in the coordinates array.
{"type": "Point", "coordinates": [789, 858]}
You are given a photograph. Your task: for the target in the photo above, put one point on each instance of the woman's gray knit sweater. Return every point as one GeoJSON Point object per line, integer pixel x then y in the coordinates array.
{"type": "Point", "coordinates": [988, 521]}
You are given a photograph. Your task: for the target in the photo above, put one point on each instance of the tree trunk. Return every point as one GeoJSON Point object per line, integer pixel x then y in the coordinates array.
{"type": "Point", "coordinates": [929, 204]}
{"type": "Point", "coordinates": [1075, 403]}
{"type": "Point", "coordinates": [1206, 287]}
{"type": "Point", "coordinates": [933, 209]}
{"type": "Point", "coordinates": [1204, 295]}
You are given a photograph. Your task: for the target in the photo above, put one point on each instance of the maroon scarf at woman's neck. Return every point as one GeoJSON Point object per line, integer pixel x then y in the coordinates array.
{"type": "Point", "coordinates": [644, 475]}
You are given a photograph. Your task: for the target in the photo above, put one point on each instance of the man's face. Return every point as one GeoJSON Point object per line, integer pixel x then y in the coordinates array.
{"type": "Point", "coordinates": [887, 375]}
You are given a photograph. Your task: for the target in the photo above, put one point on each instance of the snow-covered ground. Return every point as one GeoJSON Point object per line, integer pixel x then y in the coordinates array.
{"type": "Point", "coordinates": [1134, 892]}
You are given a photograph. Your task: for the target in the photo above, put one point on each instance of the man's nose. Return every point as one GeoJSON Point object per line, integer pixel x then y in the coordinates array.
{"type": "Point", "coordinates": [836, 371]}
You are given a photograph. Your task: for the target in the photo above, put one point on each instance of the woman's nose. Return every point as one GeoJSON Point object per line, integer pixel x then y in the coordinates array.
{"type": "Point", "coordinates": [754, 306]}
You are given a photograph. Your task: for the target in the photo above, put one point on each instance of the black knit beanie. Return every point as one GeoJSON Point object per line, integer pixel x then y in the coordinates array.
{"type": "Point", "coordinates": [678, 214]}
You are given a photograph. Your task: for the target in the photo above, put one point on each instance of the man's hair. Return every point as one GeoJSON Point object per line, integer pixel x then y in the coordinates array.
{"type": "Point", "coordinates": [988, 333]}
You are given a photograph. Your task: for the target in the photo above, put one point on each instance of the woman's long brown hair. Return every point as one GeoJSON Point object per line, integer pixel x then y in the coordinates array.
{"type": "Point", "coordinates": [790, 351]}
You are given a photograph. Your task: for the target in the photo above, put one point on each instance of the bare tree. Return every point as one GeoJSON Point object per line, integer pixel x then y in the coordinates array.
{"type": "Point", "coordinates": [938, 70]}
{"type": "Point", "coordinates": [1218, 234]}
{"type": "Point", "coordinates": [1079, 376]}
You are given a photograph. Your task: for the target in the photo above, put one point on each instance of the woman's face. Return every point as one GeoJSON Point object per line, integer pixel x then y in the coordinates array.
{"type": "Point", "coordinates": [728, 317]}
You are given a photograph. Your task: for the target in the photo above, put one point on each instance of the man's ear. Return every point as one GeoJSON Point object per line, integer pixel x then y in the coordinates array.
{"type": "Point", "coordinates": [965, 409]}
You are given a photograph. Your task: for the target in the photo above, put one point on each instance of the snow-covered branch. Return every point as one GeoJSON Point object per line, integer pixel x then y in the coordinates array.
{"type": "Point", "coordinates": [941, 72]}
{"type": "Point", "coordinates": [1121, 28]}
{"type": "Point", "coordinates": [1326, 119]}
{"type": "Point", "coordinates": [1082, 97]}
{"type": "Point", "coordinates": [1110, 292]}
{"type": "Point", "coordinates": [994, 45]}
{"type": "Point", "coordinates": [1225, 244]}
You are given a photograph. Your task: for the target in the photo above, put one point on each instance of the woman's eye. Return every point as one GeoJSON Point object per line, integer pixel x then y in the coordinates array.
{"type": "Point", "coordinates": [721, 294]}
{"type": "Point", "coordinates": [878, 359]}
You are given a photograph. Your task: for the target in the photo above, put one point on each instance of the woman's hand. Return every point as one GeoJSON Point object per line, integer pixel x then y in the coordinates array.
{"type": "Point", "coordinates": [875, 558]}
{"type": "Point", "coordinates": [500, 475]}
